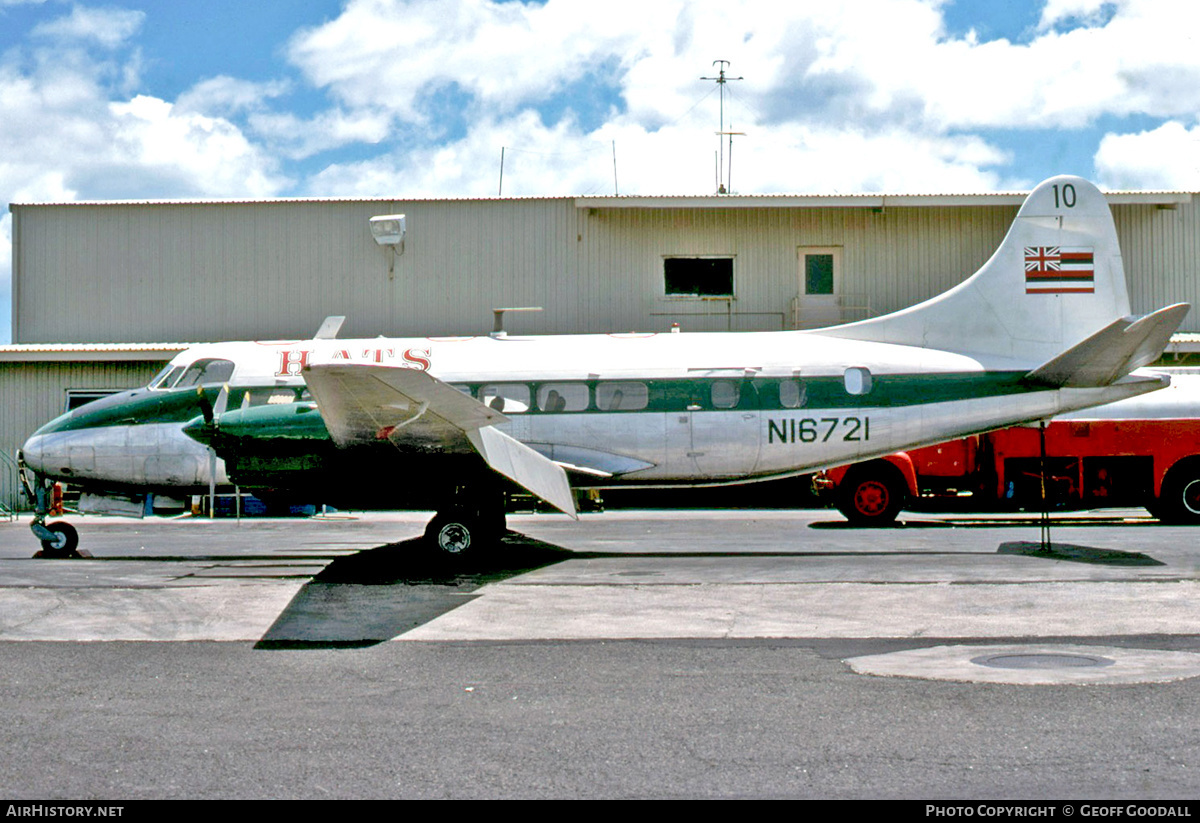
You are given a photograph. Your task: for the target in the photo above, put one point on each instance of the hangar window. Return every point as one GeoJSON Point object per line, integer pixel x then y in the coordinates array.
{"type": "Point", "coordinates": [623, 396]}
{"type": "Point", "coordinates": [562, 397]}
{"type": "Point", "coordinates": [698, 276]}
{"type": "Point", "coordinates": [506, 398]}
{"type": "Point", "coordinates": [818, 273]}
{"type": "Point", "coordinates": [80, 397]}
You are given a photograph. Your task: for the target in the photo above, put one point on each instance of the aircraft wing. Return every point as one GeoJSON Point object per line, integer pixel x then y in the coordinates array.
{"type": "Point", "coordinates": [363, 403]}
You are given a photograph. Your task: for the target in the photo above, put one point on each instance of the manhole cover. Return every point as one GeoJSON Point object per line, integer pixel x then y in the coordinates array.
{"type": "Point", "coordinates": [1033, 664]}
{"type": "Point", "coordinates": [1042, 661]}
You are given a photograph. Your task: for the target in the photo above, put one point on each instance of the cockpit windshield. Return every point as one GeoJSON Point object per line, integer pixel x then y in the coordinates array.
{"type": "Point", "coordinates": [205, 372]}
{"type": "Point", "coordinates": [165, 377]}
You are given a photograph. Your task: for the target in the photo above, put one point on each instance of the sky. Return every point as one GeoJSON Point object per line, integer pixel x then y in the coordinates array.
{"type": "Point", "coordinates": [423, 98]}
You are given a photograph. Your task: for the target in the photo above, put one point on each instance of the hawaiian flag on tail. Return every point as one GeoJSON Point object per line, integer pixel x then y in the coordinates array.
{"type": "Point", "coordinates": [1059, 270]}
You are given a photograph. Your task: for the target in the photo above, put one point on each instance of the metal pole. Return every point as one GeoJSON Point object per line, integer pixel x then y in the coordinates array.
{"type": "Point", "coordinates": [1044, 520]}
{"type": "Point", "coordinates": [616, 191]}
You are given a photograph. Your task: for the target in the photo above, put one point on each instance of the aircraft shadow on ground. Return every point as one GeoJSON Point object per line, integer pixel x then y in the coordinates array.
{"type": "Point", "coordinates": [377, 594]}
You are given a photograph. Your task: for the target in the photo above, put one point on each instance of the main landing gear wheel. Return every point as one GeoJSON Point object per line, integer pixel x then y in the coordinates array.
{"type": "Point", "coordinates": [454, 535]}
{"type": "Point", "coordinates": [871, 497]}
{"type": "Point", "coordinates": [63, 544]}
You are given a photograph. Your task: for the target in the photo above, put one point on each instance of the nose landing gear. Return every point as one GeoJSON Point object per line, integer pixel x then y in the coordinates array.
{"type": "Point", "coordinates": [59, 539]}
{"type": "Point", "coordinates": [62, 540]}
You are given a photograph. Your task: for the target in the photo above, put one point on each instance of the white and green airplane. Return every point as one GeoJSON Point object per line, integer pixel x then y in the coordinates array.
{"type": "Point", "coordinates": [450, 423]}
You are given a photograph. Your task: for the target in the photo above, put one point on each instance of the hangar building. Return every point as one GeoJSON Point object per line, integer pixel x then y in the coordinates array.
{"type": "Point", "coordinates": [98, 286]}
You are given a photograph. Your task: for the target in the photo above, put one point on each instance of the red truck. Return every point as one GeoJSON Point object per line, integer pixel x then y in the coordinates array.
{"type": "Point", "coordinates": [1144, 451]}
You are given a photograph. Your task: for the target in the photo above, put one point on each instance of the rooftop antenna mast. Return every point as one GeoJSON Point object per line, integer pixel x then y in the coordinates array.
{"type": "Point", "coordinates": [721, 79]}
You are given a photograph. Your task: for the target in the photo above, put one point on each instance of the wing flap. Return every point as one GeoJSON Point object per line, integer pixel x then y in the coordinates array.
{"type": "Point", "coordinates": [525, 467]}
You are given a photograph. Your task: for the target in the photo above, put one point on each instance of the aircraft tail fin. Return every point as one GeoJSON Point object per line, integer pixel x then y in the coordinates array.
{"type": "Point", "coordinates": [1055, 280]}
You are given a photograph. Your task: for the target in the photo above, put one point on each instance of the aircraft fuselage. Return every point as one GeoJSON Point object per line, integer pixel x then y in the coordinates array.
{"type": "Point", "coordinates": [615, 410]}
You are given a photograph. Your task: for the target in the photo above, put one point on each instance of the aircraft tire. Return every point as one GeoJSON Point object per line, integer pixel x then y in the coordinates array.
{"type": "Point", "coordinates": [65, 542]}
{"type": "Point", "coordinates": [454, 535]}
{"type": "Point", "coordinates": [872, 496]}
{"type": "Point", "coordinates": [1180, 499]}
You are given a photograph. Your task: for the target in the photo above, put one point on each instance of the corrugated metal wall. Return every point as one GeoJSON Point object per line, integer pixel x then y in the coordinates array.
{"type": "Point", "coordinates": [1161, 251]}
{"type": "Point", "coordinates": [34, 393]}
{"type": "Point", "coordinates": [195, 272]}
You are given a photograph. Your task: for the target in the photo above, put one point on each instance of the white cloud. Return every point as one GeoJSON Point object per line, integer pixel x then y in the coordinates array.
{"type": "Point", "coordinates": [228, 95]}
{"type": "Point", "coordinates": [1087, 11]}
{"type": "Point", "coordinates": [805, 62]}
{"type": "Point", "coordinates": [107, 27]}
{"type": "Point", "coordinates": [562, 161]}
{"type": "Point", "coordinates": [1167, 157]}
{"type": "Point", "coordinates": [297, 138]}
{"type": "Point", "coordinates": [208, 155]}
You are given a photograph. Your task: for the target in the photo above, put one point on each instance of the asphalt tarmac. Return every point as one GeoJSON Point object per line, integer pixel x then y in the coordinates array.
{"type": "Point", "coordinates": [630, 654]}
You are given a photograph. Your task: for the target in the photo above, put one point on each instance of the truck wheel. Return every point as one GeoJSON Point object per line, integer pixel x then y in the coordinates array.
{"type": "Point", "coordinates": [1180, 499]}
{"type": "Point", "coordinates": [872, 497]}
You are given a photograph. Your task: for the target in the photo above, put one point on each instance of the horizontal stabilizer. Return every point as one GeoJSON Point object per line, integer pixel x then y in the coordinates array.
{"type": "Point", "coordinates": [1113, 352]}
{"type": "Point", "coordinates": [525, 467]}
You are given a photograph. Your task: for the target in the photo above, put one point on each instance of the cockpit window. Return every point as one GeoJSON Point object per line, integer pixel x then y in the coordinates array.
{"type": "Point", "coordinates": [167, 377]}
{"type": "Point", "coordinates": [205, 373]}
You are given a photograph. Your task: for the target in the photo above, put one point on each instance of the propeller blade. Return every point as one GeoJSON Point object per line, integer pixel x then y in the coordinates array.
{"type": "Point", "coordinates": [206, 407]}
{"type": "Point", "coordinates": [222, 401]}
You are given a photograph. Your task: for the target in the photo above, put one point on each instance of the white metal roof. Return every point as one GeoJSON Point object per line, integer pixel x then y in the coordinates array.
{"type": "Point", "coordinates": [706, 201]}
{"type": "Point", "coordinates": [873, 201]}
{"type": "Point", "coordinates": [1180, 342]}
{"type": "Point", "coordinates": [77, 352]}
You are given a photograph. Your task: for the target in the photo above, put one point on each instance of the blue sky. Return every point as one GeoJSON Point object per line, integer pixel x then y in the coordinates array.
{"type": "Point", "coordinates": [417, 98]}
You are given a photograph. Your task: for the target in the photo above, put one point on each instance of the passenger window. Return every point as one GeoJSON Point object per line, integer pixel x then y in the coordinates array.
{"type": "Point", "coordinates": [724, 394]}
{"type": "Point", "coordinates": [506, 398]}
{"type": "Point", "coordinates": [857, 380]}
{"type": "Point", "coordinates": [792, 394]}
{"type": "Point", "coordinates": [623, 396]}
{"type": "Point", "coordinates": [563, 397]}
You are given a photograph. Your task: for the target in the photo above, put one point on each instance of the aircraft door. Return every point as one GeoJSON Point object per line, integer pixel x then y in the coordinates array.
{"type": "Point", "coordinates": [723, 424]}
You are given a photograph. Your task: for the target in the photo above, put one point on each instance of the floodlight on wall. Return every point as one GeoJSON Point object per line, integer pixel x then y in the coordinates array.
{"type": "Point", "coordinates": [388, 231]}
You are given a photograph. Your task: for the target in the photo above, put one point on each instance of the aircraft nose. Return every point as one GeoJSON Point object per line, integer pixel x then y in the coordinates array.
{"type": "Point", "coordinates": [44, 453]}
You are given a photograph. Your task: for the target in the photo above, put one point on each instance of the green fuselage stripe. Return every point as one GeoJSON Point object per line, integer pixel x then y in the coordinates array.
{"type": "Point", "coordinates": [145, 406]}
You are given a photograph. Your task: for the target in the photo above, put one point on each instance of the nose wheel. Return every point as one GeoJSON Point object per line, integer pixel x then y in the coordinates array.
{"type": "Point", "coordinates": [59, 540]}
